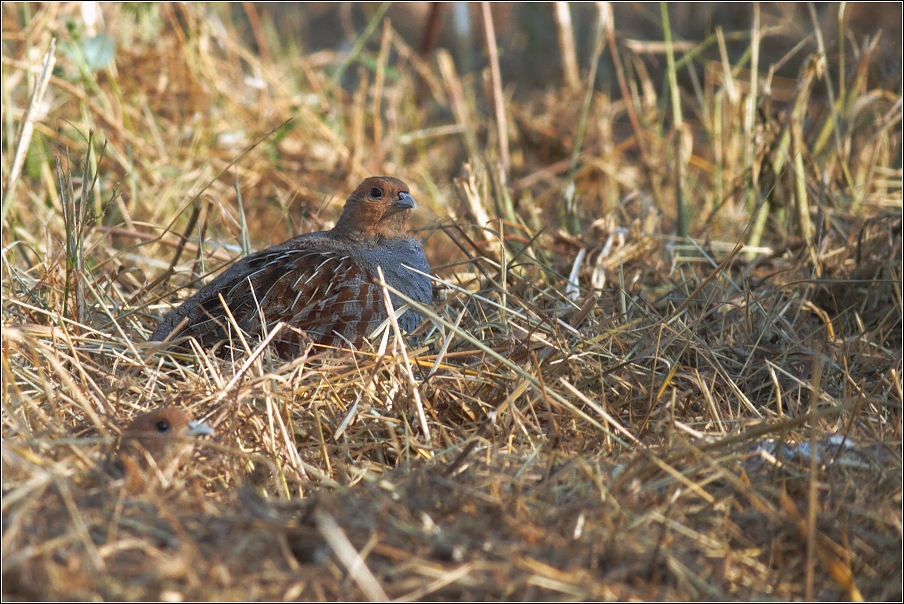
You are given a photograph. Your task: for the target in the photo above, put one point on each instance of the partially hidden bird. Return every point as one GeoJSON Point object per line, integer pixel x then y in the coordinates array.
{"type": "Point", "coordinates": [158, 440]}
{"type": "Point", "coordinates": [324, 284]}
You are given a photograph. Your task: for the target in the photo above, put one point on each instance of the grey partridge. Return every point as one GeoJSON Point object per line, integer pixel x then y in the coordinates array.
{"type": "Point", "coordinates": [158, 440]}
{"type": "Point", "coordinates": [321, 283]}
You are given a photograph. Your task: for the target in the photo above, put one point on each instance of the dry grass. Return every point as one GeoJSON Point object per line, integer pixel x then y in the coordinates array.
{"type": "Point", "coordinates": [597, 410]}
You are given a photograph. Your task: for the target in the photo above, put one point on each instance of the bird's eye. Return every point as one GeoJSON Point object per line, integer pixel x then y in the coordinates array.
{"type": "Point", "coordinates": [376, 193]}
{"type": "Point", "coordinates": [162, 426]}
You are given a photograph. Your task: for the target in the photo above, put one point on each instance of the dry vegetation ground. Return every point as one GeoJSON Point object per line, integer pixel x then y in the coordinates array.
{"type": "Point", "coordinates": [598, 410]}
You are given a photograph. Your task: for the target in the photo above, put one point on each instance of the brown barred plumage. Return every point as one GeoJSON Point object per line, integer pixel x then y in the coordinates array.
{"type": "Point", "coordinates": [320, 283]}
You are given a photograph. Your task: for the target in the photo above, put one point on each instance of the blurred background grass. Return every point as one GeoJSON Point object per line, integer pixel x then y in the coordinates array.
{"type": "Point", "coordinates": [166, 85]}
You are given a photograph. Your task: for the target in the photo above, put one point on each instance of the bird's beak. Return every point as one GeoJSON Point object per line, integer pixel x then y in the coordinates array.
{"type": "Point", "coordinates": [405, 202]}
{"type": "Point", "coordinates": [199, 429]}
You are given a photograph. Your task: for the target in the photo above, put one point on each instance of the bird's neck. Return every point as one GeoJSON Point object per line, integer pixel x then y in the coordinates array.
{"type": "Point", "coordinates": [353, 230]}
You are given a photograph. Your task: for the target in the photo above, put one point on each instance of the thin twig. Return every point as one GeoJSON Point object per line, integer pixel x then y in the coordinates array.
{"type": "Point", "coordinates": [23, 141]}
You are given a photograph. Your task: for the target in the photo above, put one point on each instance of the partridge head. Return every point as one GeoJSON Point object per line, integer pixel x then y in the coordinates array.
{"type": "Point", "coordinates": [159, 440]}
{"type": "Point", "coordinates": [323, 284]}
{"type": "Point", "coordinates": [379, 208]}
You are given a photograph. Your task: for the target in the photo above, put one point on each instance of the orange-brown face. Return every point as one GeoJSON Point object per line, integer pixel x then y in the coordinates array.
{"type": "Point", "coordinates": [161, 433]}
{"type": "Point", "coordinates": [379, 206]}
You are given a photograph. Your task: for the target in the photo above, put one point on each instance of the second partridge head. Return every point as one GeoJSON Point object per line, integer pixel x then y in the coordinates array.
{"type": "Point", "coordinates": [158, 440]}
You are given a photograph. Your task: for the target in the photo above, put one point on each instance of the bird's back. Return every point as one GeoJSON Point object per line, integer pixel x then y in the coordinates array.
{"type": "Point", "coordinates": [315, 283]}
{"type": "Point", "coordinates": [323, 284]}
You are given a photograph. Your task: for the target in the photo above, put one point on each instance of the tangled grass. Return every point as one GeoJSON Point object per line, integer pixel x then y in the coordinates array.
{"type": "Point", "coordinates": [595, 409]}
